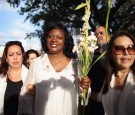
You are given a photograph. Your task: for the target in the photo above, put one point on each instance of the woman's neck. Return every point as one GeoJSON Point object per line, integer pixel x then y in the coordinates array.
{"type": "Point", "coordinates": [122, 72]}
{"type": "Point", "coordinates": [15, 68]}
{"type": "Point", "coordinates": [120, 78]}
{"type": "Point", "coordinates": [14, 74]}
{"type": "Point", "coordinates": [56, 56]}
{"type": "Point", "coordinates": [59, 62]}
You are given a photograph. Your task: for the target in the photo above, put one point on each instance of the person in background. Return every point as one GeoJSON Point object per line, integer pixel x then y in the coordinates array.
{"type": "Point", "coordinates": [55, 76]}
{"type": "Point", "coordinates": [97, 73]}
{"type": "Point", "coordinates": [119, 89]}
{"type": "Point", "coordinates": [102, 41]}
{"type": "Point", "coordinates": [30, 56]}
{"type": "Point", "coordinates": [12, 76]}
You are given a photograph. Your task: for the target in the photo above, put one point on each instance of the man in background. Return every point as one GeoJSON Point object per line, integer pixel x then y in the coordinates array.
{"type": "Point", "coordinates": [97, 74]}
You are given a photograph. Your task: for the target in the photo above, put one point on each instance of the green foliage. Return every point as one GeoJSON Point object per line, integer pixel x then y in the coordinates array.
{"type": "Point", "coordinates": [40, 12]}
{"type": "Point", "coordinates": [80, 6]}
{"type": "Point", "coordinates": [15, 3]}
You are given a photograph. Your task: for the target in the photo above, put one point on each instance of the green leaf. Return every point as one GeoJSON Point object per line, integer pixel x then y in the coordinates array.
{"type": "Point", "coordinates": [107, 20]}
{"type": "Point", "coordinates": [80, 6]}
{"type": "Point", "coordinates": [99, 57]}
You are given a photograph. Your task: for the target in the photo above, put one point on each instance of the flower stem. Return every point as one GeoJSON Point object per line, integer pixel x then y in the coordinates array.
{"type": "Point", "coordinates": [107, 20]}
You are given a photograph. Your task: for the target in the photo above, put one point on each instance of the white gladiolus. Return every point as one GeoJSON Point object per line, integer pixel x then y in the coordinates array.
{"type": "Point", "coordinates": [85, 50]}
{"type": "Point", "coordinates": [81, 38]}
{"type": "Point", "coordinates": [93, 37]}
{"type": "Point", "coordinates": [74, 49]}
{"type": "Point", "coordinates": [91, 41]}
{"type": "Point", "coordinates": [91, 49]}
{"type": "Point", "coordinates": [93, 45]}
{"type": "Point", "coordinates": [81, 44]}
{"type": "Point", "coordinates": [85, 26]}
{"type": "Point", "coordinates": [86, 45]}
{"type": "Point", "coordinates": [86, 16]}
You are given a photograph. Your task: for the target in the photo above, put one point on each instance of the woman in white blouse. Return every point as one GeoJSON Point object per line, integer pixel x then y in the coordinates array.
{"type": "Point", "coordinates": [12, 76]}
{"type": "Point", "coordinates": [119, 88]}
{"type": "Point", "coordinates": [54, 75]}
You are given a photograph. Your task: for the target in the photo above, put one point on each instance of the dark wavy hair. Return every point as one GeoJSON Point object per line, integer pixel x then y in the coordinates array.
{"type": "Point", "coordinates": [4, 65]}
{"type": "Point", "coordinates": [110, 63]}
{"type": "Point", "coordinates": [68, 38]}
{"type": "Point", "coordinates": [30, 51]}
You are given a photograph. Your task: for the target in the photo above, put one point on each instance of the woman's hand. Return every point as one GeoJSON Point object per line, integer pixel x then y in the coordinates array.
{"type": "Point", "coordinates": [85, 82]}
{"type": "Point", "coordinates": [31, 89]}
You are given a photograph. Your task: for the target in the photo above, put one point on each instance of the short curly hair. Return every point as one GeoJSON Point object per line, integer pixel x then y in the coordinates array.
{"type": "Point", "coordinates": [69, 43]}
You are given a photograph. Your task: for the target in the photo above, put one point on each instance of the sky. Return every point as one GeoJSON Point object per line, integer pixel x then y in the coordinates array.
{"type": "Point", "coordinates": [13, 27]}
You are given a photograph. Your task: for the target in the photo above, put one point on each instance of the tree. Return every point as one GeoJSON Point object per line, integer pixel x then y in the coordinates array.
{"type": "Point", "coordinates": [122, 15]}
{"type": "Point", "coordinates": [40, 12]}
{"type": "Point", "coordinates": [14, 2]}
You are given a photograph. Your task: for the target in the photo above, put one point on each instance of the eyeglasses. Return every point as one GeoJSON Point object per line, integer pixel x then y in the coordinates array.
{"type": "Point", "coordinates": [118, 49]}
{"type": "Point", "coordinates": [13, 42]}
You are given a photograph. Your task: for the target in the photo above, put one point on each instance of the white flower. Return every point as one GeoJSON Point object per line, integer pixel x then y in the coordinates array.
{"type": "Point", "coordinates": [74, 49]}
{"type": "Point", "coordinates": [91, 49]}
{"type": "Point", "coordinates": [91, 42]}
{"type": "Point", "coordinates": [89, 38]}
{"type": "Point", "coordinates": [86, 16]}
{"type": "Point", "coordinates": [80, 38]}
{"type": "Point", "coordinates": [81, 44]}
{"type": "Point", "coordinates": [93, 45]}
{"type": "Point", "coordinates": [85, 26]}
{"type": "Point", "coordinates": [93, 37]}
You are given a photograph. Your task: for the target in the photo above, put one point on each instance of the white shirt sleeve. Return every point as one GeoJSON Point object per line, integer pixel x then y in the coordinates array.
{"type": "Point", "coordinates": [26, 101]}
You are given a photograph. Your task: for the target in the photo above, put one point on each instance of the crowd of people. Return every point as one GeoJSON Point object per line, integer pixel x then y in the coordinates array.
{"type": "Point", "coordinates": [48, 84]}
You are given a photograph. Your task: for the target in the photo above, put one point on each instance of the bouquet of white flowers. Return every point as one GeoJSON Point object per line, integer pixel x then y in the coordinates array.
{"type": "Point", "coordinates": [86, 45]}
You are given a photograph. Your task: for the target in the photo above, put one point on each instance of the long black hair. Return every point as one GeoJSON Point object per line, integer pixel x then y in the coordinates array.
{"type": "Point", "coordinates": [69, 44]}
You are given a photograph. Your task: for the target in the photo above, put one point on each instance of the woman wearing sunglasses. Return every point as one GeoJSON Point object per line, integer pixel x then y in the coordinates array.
{"type": "Point", "coordinates": [12, 76]}
{"type": "Point", "coordinates": [119, 87]}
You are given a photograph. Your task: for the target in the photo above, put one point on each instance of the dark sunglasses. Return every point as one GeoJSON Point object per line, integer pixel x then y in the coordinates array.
{"type": "Point", "coordinates": [118, 49]}
{"type": "Point", "coordinates": [13, 42]}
